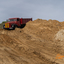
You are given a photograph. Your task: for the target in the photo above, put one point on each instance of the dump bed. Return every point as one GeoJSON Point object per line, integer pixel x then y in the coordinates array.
{"type": "Point", "coordinates": [25, 20]}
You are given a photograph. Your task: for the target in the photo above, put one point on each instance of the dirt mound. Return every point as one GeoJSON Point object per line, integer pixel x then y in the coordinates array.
{"type": "Point", "coordinates": [37, 43]}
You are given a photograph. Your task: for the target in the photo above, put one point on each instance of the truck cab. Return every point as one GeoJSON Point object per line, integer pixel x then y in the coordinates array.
{"type": "Point", "coordinates": [15, 21]}
{"type": "Point", "coordinates": [12, 23]}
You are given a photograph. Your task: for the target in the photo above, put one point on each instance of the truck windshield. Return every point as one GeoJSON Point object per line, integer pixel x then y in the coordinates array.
{"type": "Point", "coordinates": [11, 20]}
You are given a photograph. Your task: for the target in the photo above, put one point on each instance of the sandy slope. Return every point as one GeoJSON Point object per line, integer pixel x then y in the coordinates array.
{"type": "Point", "coordinates": [37, 43]}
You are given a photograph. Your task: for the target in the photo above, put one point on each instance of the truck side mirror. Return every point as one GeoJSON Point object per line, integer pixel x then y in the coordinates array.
{"type": "Point", "coordinates": [17, 19]}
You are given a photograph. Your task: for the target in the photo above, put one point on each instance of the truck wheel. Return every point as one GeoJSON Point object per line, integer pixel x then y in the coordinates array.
{"type": "Point", "coordinates": [13, 27]}
{"type": "Point", "coordinates": [22, 26]}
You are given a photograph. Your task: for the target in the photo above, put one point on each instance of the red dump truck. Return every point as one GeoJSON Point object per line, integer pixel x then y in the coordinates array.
{"type": "Point", "coordinates": [16, 22]}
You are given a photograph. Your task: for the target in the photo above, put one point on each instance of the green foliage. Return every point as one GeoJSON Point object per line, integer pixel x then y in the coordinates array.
{"type": "Point", "coordinates": [4, 21]}
{"type": "Point", "coordinates": [1, 25]}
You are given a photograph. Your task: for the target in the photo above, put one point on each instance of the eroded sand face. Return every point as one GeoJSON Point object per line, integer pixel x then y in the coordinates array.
{"type": "Point", "coordinates": [37, 43]}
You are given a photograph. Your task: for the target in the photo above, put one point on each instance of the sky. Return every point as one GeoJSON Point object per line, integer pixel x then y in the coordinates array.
{"type": "Point", "coordinates": [42, 9]}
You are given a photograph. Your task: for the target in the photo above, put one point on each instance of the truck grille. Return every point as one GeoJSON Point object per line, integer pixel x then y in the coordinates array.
{"type": "Point", "coordinates": [6, 25]}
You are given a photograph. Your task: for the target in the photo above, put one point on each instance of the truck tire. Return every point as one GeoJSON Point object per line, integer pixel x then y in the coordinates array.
{"type": "Point", "coordinates": [13, 27]}
{"type": "Point", "coordinates": [22, 25]}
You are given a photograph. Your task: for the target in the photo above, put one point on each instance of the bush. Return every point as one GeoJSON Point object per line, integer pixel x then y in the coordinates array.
{"type": "Point", "coordinates": [4, 21]}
